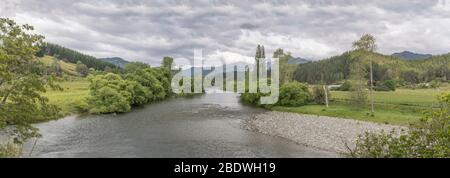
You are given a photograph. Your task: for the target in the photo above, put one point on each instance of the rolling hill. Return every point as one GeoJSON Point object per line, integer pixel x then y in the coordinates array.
{"type": "Point", "coordinates": [338, 68]}
{"type": "Point", "coordinates": [116, 61]}
{"type": "Point", "coordinates": [66, 67]}
{"type": "Point", "coordinates": [411, 56]}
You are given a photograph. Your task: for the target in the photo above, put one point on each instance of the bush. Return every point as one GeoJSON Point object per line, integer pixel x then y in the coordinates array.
{"type": "Point", "coordinates": [319, 94]}
{"type": "Point", "coordinates": [390, 84]}
{"type": "Point", "coordinates": [294, 94]}
{"type": "Point", "coordinates": [9, 150]}
{"type": "Point", "coordinates": [109, 94]}
{"type": "Point", "coordinates": [429, 138]}
{"type": "Point", "coordinates": [346, 86]}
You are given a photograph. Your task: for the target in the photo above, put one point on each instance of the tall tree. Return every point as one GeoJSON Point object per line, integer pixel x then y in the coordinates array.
{"type": "Point", "coordinates": [22, 81]}
{"type": "Point", "coordinates": [367, 44]}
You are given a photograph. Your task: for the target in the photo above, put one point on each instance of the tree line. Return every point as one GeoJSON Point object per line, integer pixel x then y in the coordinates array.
{"type": "Point", "coordinates": [73, 56]}
{"type": "Point", "coordinates": [338, 68]}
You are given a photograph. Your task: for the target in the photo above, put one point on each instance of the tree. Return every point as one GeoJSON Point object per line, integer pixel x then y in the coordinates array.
{"type": "Point", "coordinates": [109, 94]}
{"type": "Point", "coordinates": [82, 69]}
{"type": "Point", "coordinates": [278, 53]}
{"type": "Point", "coordinates": [22, 81]}
{"type": "Point", "coordinates": [135, 66]}
{"type": "Point", "coordinates": [55, 68]}
{"type": "Point", "coordinates": [367, 44]}
{"type": "Point", "coordinates": [294, 94]}
{"type": "Point", "coordinates": [321, 94]}
{"type": "Point", "coordinates": [167, 62]}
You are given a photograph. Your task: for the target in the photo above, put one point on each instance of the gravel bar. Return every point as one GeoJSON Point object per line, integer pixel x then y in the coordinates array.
{"type": "Point", "coordinates": [322, 132]}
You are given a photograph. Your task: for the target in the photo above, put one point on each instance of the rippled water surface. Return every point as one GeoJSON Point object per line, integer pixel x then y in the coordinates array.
{"type": "Point", "coordinates": [202, 126]}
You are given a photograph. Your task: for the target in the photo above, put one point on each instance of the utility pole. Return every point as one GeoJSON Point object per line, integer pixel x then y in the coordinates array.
{"type": "Point", "coordinates": [371, 87]}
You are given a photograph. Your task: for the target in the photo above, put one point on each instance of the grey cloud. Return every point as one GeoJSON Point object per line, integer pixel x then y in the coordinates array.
{"type": "Point", "coordinates": [149, 30]}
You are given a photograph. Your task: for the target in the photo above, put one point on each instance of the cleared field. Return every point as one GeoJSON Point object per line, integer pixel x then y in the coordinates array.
{"type": "Point", "coordinates": [73, 92]}
{"type": "Point", "coordinates": [66, 67]}
{"type": "Point", "coordinates": [400, 107]}
{"type": "Point", "coordinates": [409, 97]}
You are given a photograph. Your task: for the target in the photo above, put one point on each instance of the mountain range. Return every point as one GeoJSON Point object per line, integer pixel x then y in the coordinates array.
{"type": "Point", "coordinates": [411, 55]}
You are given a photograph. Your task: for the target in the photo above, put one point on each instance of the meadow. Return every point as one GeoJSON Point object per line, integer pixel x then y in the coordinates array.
{"type": "Point", "coordinates": [399, 107]}
{"type": "Point", "coordinates": [72, 93]}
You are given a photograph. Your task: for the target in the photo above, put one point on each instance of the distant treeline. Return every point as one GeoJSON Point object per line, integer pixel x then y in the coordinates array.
{"type": "Point", "coordinates": [73, 56]}
{"type": "Point", "coordinates": [338, 68]}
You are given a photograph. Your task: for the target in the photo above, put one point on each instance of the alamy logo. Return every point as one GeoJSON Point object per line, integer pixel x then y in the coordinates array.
{"type": "Point", "coordinates": [261, 77]}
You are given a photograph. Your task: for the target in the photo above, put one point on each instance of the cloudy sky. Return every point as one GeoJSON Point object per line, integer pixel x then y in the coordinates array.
{"type": "Point", "coordinates": [148, 30]}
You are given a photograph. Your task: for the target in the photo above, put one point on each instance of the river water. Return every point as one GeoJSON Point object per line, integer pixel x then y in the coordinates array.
{"type": "Point", "coordinates": [202, 126]}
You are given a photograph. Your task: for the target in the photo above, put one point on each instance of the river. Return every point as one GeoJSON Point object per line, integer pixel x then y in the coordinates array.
{"type": "Point", "coordinates": [202, 126]}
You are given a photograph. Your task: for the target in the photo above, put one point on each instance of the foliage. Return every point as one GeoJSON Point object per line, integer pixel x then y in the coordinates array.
{"type": "Point", "coordinates": [319, 94]}
{"type": "Point", "coordinates": [141, 84]}
{"type": "Point", "coordinates": [135, 66]}
{"type": "Point", "coordinates": [346, 86]}
{"type": "Point", "coordinates": [10, 150]}
{"type": "Point", "coordinates": [109, 94]}
{"type": "Point", "coordinates": [391, 84]}
{"type": "Point", "coordinates": [82, 69]}
{"type": "Point", "coordinates": [22, 81]}
{"type": "Point", "coordinates": [294, 94]}
{"type": "Point", "coordinates": [429, 138]}
{"type": "Point", "coordinates": [73, 56]}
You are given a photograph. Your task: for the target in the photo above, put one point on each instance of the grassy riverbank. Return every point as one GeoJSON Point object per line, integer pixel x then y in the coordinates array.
{"type": "Point", "coordinates": [73, 92]}
{"type": "Point", "coordinates": [400, 107]}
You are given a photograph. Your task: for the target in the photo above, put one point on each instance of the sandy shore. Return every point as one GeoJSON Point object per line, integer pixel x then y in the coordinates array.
{"type": "Point", "coordinates": [327, 133]}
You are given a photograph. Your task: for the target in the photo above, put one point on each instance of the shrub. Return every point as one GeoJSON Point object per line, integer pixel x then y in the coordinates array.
{"type": "Point", "coordinates": [109, 100]}
{"type": "Point", "coordinates": [8, 150]}
{"type": "Point", "coordinates": [428, 138]}
{"type": "Point", "coordinates": [319, 94]}
{"type": "Point", "coordinates": [294, 94]}
{"type": "Point", "coordinates": [109, 94]}
{"type": "Point", "coordinates": [390, 84]}
{"type": "Point", "coordinates": [346, 86]}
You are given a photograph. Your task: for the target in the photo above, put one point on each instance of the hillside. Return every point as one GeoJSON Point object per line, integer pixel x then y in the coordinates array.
{"type": "Point", "coordinates": [116, 61]}
{"type": "Point", "coordinates": [411, 56]}
{"type": "Point", "coordinates": [66, 67]}
{"type": "Point", "coordinates": [338, 68]}
{"type": "Point", "coordinates": [73, 56]}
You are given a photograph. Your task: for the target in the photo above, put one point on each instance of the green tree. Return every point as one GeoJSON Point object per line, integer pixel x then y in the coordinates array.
{"type": "Point", "coordinates": [82, 69]}
{"type": "Point", "coordinates": [278, 53]}
{"type": "Point", "coordinates": [22, 81]}
{"type": "Point", "coordinates": [294, 94]}
{"type": "Point", "coordinates": [364, 46]}
{"type": "Point", "coordinates": [55, 68]}
{"type": "Point", "coordinates": [167, 62]}
{"type": "Point", "coordinates": [109, 94]}
{"type": "Point", "coordinates": [319, 95]}
{"type": "Point", "coordinates": [134, 66]}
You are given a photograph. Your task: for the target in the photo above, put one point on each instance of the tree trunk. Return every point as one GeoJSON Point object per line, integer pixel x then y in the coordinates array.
{"type": "Point", "coordinates": [326, 95]}
{"type": "Point", "coordinates": [371, 88]}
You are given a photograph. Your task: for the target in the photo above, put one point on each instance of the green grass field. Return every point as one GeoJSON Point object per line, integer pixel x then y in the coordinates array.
{"type": "Point", "coordinates": [73, 92]}
{"type": "Point", "coordinates": [400, 107]}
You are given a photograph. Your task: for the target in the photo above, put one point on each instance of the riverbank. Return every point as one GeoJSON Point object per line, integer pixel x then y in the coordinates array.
{"type": "Point", "coordinates": [322, 132]}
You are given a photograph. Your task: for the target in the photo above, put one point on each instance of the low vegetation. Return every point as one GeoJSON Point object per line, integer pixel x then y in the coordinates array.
{"type": "Point", "coordinates": [427, 138]}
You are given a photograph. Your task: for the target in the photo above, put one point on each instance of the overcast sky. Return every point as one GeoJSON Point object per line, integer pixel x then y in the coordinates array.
{"type": "Point", "coordinates": [148, 30]}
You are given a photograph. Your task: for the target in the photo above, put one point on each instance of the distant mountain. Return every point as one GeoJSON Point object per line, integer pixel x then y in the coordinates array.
{"type": "Point", "coordinates": [411, 56]}
{"type": "Point", "coordinates": [116, 61]}
{"type": "Point", "coordinates": [298, 60]}
{"type": "Point", "coordinates": [240, 67]}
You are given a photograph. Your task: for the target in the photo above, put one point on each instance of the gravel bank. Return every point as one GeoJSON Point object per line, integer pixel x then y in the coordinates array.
{"type": "Point", "coordinates": [327, 133]}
